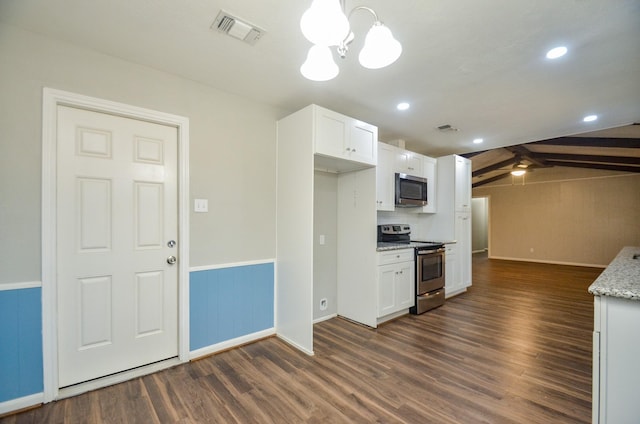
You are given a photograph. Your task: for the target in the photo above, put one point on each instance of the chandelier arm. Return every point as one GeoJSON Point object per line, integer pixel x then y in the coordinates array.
{"type": "Point", "coordinates": [370, 10]}
{"type": "Point", "coordinates": [344, 46]}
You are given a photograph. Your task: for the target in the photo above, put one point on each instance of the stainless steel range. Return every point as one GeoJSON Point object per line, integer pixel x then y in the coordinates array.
{"type": "Point", "coordinates": [429, 261]}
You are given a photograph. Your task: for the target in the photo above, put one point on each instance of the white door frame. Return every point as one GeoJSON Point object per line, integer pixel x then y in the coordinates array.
{"type": "Point", "coordinates": [51, 99]}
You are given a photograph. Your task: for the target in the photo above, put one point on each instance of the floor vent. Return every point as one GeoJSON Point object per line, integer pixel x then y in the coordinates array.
{"type": "Point", "coordinates": [237, 28]}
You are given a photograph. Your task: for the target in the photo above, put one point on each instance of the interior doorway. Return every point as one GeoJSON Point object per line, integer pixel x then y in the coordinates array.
{"type": "Point", "coordinates": [480, 224]}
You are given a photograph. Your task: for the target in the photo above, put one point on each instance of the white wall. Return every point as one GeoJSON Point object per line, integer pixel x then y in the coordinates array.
{"type": "Point", "coordinates": [325, 257]}
{"type": "Point", "coordinates": [232, 154]}
{"type": "Point", "coordinates": [572, 216]}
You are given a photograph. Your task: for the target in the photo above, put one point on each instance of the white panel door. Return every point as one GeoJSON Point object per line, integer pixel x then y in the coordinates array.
{"type": "Point", "coordinates": [116, 213]}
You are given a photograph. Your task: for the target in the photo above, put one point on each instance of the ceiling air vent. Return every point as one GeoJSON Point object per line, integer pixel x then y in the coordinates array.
{"type": "Point", "coordinates": [237, 28]}
{"type": "Point", "coordinates": [447, 128]}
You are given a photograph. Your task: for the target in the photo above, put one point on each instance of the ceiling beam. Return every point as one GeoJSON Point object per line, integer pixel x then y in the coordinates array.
{"type": "Point", "coordinates": [631, 143]}
{"type": "Point", "coordinates": [481, 171]}
{"type": "Point", "coordinates": [589, 158]}
{"type": "Point", "coordinates": [490, 180]}
{"type": "Point", "coordinates": [523, 152]}
{"type": "Point", "coordinates": [597, 166]}
{"type": "Point", "coordinates": [472, 154]}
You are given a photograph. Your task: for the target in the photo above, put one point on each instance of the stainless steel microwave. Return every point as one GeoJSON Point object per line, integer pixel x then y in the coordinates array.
{"type": "Point", "coordinates": [411, 191]}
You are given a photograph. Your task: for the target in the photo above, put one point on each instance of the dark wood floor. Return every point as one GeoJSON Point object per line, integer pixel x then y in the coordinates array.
{"type": "Point", "coordinates": [516, 348]}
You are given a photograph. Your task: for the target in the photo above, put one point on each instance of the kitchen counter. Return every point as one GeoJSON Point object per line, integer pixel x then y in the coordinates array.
{"type": "Point", "coordinates": [621, 278]}
{"type": "Point", "coordinates": [384, 246]}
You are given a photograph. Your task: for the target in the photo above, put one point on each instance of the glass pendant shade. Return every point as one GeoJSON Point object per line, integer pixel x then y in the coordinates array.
{"type": "Point", "coordinates": [324, 23]}
{"type": "Point", "coordinates": [319, 65]}
{"type": "Point", "coordinates": [380, 48]}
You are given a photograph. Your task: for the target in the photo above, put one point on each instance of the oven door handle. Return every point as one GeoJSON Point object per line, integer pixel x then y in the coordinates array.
{"type": "Point", "coordinates": [427, 252]}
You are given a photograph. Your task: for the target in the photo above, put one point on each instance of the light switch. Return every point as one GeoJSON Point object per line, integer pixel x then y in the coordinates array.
{"type": "Point", "coordinates": [321, 240]}
{"type": "Point", "coordinates": [201, 205]}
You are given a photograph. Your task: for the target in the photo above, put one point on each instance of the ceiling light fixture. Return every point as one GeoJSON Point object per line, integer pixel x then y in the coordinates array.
{"type": "Point", "coordinates": [403, 106]}
{"type": "Point", "coordinates": [519, 169]}
{"type": "Point", "coordinates": [477, 140]}
{"type": "Point", "coordinates": [556, 52]}
{"type": "Point", "coordinates": [325, 24]}
{"type": "Point", "coordinates": [590, 118]}
{"type": "Point", "coordinates": [319, 65]}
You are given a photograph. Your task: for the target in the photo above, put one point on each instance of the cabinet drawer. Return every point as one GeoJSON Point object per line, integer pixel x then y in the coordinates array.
{"type": "Point", "coordinates": [395, 256]}
{"type": "Point", "coordinates": [429, 301]}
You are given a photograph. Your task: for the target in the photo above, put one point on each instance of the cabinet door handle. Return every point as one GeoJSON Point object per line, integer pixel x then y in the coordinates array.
{"type": "Point", "coordinates": [353, 150]}
{"type": "Point", "coordinates": [348, 149]}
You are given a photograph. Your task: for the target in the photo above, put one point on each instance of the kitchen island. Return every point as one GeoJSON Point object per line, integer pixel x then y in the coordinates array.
{"type": "Point", "coordinates": [616, 340]}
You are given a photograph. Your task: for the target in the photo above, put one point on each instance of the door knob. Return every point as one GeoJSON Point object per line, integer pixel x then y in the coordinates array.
{"type": "Point", "coordinates": [172, 260]}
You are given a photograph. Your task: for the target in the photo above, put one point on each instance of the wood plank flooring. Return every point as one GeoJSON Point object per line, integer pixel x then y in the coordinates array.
{"type": "Point", "coordinates": [516, 348]}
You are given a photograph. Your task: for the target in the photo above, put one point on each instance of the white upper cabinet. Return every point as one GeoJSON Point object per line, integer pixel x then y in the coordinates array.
{"type": "Point", "coordinates": [341, 137]}
{"type": "Point", "coordinates": [385, 178]}
{"type": "Point", "coordinates": [429, 172]}
{"type": "Point", "coordinates": [462, 184]}
{"type": "Point", "coordinates": [408, 162]}
{"type": "Point", "coordinates": [392, 160]}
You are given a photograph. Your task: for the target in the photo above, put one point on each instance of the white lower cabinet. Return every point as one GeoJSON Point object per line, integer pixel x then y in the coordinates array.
{"type": "Point", "coordinates": [616, 368]}
{"type": "Point", "coordinates": [396, 281]}
{"type": "Point", "coordinates": [463, 237]}
{"type": "Point", "coordinates": [451, 271]}
{"type": "Point", "coordinates": [458, 257]}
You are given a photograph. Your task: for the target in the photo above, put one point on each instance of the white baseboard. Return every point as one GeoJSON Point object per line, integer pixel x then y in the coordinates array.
{"type": "Point", "coordinates": [542, 261]}
{"type": "Point", "coordinates": [228, 344]}
{"type": "Point", "coordinates": [327, 317]}
{"type": "Point", "coordinates": [21, 403]}
{"type": "Point", "coordinates": [296, 345]}
{"type": "Point", "coordinates": [392, 316]}
{"type": "Point", "coordinates": [447, 294]}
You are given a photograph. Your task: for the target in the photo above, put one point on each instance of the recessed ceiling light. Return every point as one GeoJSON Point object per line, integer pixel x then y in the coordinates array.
{"type": "Point", "coordinates": [403, 106]}
{"type": "Point", "coordinates": [590, 118]}
{"type": "Point", "coordinates": [477, 140]}
{"type": "Point", "coordinates": [556, 52]}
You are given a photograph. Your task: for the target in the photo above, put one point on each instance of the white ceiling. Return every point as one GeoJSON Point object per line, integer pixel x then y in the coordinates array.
{"type": "Point", "coordinates": [476, 65]}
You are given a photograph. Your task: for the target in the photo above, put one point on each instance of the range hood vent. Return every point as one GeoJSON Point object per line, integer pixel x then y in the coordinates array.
{"type": "Point", "coordinates": [237, 28]}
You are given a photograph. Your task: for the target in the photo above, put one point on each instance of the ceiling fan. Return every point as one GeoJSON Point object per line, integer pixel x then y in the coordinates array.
{"type": "Point", "coordinates": [521, 167]}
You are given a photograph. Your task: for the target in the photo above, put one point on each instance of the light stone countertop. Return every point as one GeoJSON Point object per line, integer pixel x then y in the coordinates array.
{"type": "Point", "coordinates": [621, 278]}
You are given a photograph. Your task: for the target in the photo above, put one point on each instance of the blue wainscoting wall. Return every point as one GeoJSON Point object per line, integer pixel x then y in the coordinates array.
{"type": "Point", "coordinates": [20, 343]}
{"type": "Point", "coordinates": [227, 303]}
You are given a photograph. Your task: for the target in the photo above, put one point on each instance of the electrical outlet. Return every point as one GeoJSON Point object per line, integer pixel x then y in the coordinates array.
{"type": "Point", "coordinates": [323, 304]}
